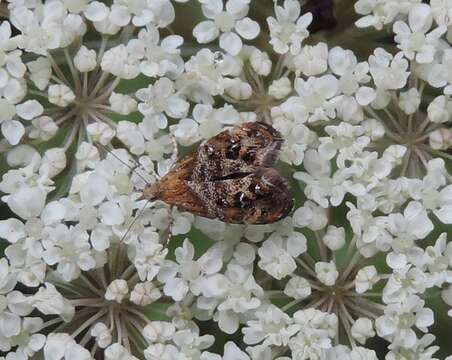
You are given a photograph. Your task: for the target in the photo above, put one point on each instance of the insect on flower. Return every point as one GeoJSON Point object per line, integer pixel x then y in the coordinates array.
{"type": "Point", "coordinates": [230, 177]}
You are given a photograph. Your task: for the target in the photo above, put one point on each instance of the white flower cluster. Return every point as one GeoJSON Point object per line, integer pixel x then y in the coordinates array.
{"type": "Point", "coordinates": [96, 101]}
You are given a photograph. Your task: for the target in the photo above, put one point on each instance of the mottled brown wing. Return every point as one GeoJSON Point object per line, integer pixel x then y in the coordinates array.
{"type": "Point", "coordinates": [230, 178]}
{"type": "Point", "coordinates": [174, 189]}
{"type": "Point", "coordinates": [261, 197]}
{"type": "Point", "coordinates": [242, 148]}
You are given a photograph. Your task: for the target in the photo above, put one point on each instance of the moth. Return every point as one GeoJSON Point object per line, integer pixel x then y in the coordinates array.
{"type": "Point", "coordinates": [229, 177]}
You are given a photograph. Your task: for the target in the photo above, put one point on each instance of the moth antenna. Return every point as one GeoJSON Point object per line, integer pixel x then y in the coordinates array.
{"type": "Point", "coordinates": [132, 168]}
{"type": "Point", "coordinates": [134, 221]}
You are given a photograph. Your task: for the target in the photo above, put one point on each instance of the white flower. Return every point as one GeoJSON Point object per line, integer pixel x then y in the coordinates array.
{"type": "Point", "coordinates": [409, 101]}
{"type": "Point", "coordinates": [289, 29]}
{"type": "Point", "coordinates": [186, 132]}
{"type": "Point", "coordinates": [60, 95]}
{"type": "Point", "coordinates": [50, 302]}
{"type": "Point", "coordinates": [159, 99]}
{"type": "Point", "coordinates": [204, 75]}
{"type": "Point", "coordinates": [366, 278]}
{"type": "Point", "coordinates": [69, 249]}
{"type": "Point", "coordinates": [399, 318]}
{"type": "Point", "coordinates": [315, 332]}
{"type": "Point", "coordinates": [388, 72]}
{"type": "Point", "coordinates": [260, 62]}
{"type": "Point", "coordinates": [223, 23]}
{"type": "Point", "coordinates": [362, 329]}
{"type": "Point", "coordinates": [413, 39]}
{"type": "Point", "coordinates": [310, 215]}
{"type": "Point", "coordinates": [85, 59]}
{"type": "Point", "coordinates": [40, 72]}
{"type": "Point", "coordinates": [326, 272]}
{"type": "Point", "coordinates": [272, 326]}
{"type": "Point", "coordinates": [405, 281]}
{"type": "Point", "coordinates": [161, 57]}
{"type": "Point", "coordinates": [117, 290]}
{"type": "Point", "coordinates": [297, 288]}
{"type": "Point", "coordinates": [53, 162]}
{"type": "Point", "coordinates": [381, 12]}
{"type": "Point", "coordinates": [118, 352]}
{"type": "Point", "coordinates": [440, 109]}
{"type": "Point", "coordinates": [334, 238]}
{"type": "Point", "coordinates": [149, 257]}
{"type": "Point", "coordinates": [102, 334]}
{"type": "Point", "coordinates": [414, 224]}
{"type": "Point", "coordinates": [277, 254]}
{"type": "Point", "coordinates": [121, 61]}
{"type": "Point", "coordinates": [280, 88]}
{"type": "Point", "coordinates": [177, 276]}
{"type": "Point", "coordinates": [312, 60]}
{"type": "Point", "coordinates": [159, 331]}
{"type": "Point", "coordinates": [62, 346]}
{"type": "Point", "coordinates": [44, 128]}
{"type": "Point", "coordinates": [27, 202]}
{"type": "Point", "coordinates": [122, 104]}
{"type": "Point", "coordinates": [320, 186]}
{"type": "Point", "coordinates": [101, 132]}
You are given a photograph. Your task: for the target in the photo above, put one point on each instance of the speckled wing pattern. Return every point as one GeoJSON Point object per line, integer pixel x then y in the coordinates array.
{"type": "Point", "coordinates": [230, 177]}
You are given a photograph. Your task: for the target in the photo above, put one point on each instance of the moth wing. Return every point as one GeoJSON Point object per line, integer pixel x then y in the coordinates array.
{"type": "Point", "coordinates": [241, 148]}
{"type": "Point", "coordinates": [262, 197]}
{"type": "Point", "coordinates": [174, 189]}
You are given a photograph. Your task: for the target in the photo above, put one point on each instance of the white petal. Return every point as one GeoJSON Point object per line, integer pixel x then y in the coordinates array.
{"type": "Point", "coordinates": [365, 95]}
{"type": "Point", "coordinates": [396, 261]}
{"type": "Point", "coordinates": [228, 323]}
{"type": "Point", "coordinates": [231, 42]}
{"type": "Point", "coordinates": [420, 18]}
{"type": "Point", "coordinates": [27, 202]}
{"type": "Point", "coordinates": [205, 32]}
{"type": "Point", "coordinates": [12, 230]}
{"type": "Point", "coordinates": [29, 109]}
{"type": "Point", "coordinates": [13, 131]}
{"type": "Point", "coordinates": [119, 15]}
{"type": "Point", "coordinates": [9, 324]}
{"type": "Point", "coordinates": [247, 28]}
{"type": "Point", "coordinates": [96, 11]}
{"type": "Point", "coordinates": [111, 214]}
{"type": "Point", "coordinates": [444, 214]}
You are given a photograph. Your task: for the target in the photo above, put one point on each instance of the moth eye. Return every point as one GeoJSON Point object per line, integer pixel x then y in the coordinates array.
{"type": "Point", "coordinates": [233, 151]}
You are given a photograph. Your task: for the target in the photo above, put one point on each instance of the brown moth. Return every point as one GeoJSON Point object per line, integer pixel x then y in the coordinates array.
{"type": "Point", "coordinates": [230, 177]}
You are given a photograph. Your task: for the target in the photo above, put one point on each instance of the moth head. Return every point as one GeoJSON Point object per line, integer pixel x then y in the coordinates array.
{"type": "Point", "coordinates": [151, 191]}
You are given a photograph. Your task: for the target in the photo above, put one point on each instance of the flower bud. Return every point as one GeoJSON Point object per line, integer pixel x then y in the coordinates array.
{"type": "Point", "coordinates": [440, 139]}
{"type": "Point", "coordinates": [60, 95]}
{"type": "Point", "coordinates": [280, 88]}
{"type": "Point", "coordinates": [53, 162]}
{"type": "Point", "coordinates": [117, 290]}
{"type": "Point", "coordinates": [334, 238]}
{"type": "Point", "coordinates": [85, 59]}
{"type": "Point", "coordinates": [326, 272]}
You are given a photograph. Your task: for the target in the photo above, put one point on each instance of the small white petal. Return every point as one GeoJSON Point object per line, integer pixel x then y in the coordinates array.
{"type": "Point", "coordinates": [247, 28]}
{"type": "Point", "coordinates": [96, 11]}
{"type": "Point", "coordinates": [205, 32]}
{"type": "Point", "coordinates": [13, 131]}
{"type": "Point", "coordinates": [231, 42]}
